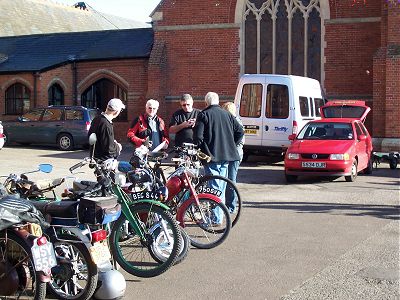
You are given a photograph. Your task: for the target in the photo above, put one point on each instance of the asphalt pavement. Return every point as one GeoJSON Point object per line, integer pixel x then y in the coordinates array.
{"type": "Point", "coordinates": [316, 239]}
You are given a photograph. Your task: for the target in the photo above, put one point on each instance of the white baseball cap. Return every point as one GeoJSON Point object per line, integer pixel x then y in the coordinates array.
{"type": "Point", "coordinates": [116, 104]}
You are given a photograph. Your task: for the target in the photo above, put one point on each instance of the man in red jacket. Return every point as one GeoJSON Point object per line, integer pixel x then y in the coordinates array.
{"type": "Point", "coordinates": [149, 125]}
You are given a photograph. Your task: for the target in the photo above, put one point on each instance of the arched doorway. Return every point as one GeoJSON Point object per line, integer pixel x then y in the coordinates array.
{"type": "Point", "coordinates": [283, 37]}
{"type": "Point", "coordinates": [99, 93]}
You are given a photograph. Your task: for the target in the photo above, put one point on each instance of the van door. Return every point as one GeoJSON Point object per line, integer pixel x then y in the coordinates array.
{"type": "Point", "coordinates": [251, 105]}
{"type": "Point", "coordinates": [277, 119]}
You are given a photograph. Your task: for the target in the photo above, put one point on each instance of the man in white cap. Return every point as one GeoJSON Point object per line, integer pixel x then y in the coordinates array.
{"type": "Point", "coordinates": [106, 146]}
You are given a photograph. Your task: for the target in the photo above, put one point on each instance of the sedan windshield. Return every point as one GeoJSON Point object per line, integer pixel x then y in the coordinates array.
{"type": "Point", "coordinates": [326, 131]}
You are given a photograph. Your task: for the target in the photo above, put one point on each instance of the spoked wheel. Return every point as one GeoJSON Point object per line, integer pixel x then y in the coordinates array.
{"type": "Point", "coordinates": [162, 256]}
{"type": "Point", "coordinates": [232, 198]}
{"type": "Point", "coordinates": [162, 237]}
{"type": "Point", "coordinates": [199, 223]}
{"type": "Point", "coordinates": [75, 276]}
{"type": "Point", "coordinates": [18, 278]}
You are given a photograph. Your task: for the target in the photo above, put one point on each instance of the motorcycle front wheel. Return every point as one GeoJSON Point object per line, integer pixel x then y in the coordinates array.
{"type": "Point", "coordinates": [75, 277]}
{"type": "Point", "coordinates": [161, 234]}
{"type": "Point", "coordinates": [18, 278]}
{"type": "Point", "coordinates": [199, 223]}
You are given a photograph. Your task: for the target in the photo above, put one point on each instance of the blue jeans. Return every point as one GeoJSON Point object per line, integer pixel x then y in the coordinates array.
{"type": "Point", "coordinates": [218, 168]}
{"type": "Point", "coordinates": [230, 196]}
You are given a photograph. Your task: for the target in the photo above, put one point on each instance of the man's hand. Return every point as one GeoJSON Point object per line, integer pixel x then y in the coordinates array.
{"type": "Point", "coordinates": [119, 147]}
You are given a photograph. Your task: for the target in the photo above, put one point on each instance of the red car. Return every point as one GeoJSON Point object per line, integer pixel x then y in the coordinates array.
{"type": "Point", "coordinates": [336, 145]}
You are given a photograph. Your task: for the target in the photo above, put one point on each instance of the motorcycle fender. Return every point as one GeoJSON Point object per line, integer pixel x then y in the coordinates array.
{"type": "Point", "coordinates": [153, 202]}
{"type": "Point", "coordinates": [182, 209]}
{"type": "Point", "coordinates": [44, 277]}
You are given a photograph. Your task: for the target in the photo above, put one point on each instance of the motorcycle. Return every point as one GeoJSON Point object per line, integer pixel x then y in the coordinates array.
{"type": "Point", "coordinates": [146, 239]}
{"type": "Point", "coordinates": [26, 256]}
{"type": "Point", "coordinates": [79, 233]}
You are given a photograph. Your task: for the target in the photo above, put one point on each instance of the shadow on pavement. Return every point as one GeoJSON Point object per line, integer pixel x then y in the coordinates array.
{"type": "Point", "coordinates": [379, 211]}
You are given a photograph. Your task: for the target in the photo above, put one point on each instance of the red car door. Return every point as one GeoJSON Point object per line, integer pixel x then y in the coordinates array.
{"type": "Point", "coordinates": [361, 147]}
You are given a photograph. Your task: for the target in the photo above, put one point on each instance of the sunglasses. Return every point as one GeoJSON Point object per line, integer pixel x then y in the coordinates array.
{"type": "Point", "coordinates": [185, 105]}
{"type": "Point", "coordinates": [152, 108]}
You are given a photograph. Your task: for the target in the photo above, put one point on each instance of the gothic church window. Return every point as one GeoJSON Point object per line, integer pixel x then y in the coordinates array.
{"type": "Point", "coordinates": [56, 95]}
{"type": "Point", "coordinates": [283, 37]}
{"type": "Point", "coordinates": [17, 99]}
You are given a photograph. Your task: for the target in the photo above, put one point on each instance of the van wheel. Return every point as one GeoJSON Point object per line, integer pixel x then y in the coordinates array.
{"type": "Point", "coordinates": [290, 178]}
{"type": "Point", "coordinates": [352, 177]}
{"type": "Point", "coordinates": [65, 142]}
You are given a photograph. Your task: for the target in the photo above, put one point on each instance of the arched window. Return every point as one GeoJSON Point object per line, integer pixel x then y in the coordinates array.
{"type": "Point", "coordinates": [283, 37]}
{"type": "Point", "coordinates": [56, 95]}
{"type": "Point", "coordinates": [17, 100]}
{"type": "Point", "coordinates": [98, 94]}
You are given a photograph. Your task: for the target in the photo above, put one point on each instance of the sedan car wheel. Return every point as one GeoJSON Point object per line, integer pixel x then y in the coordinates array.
{"type": "Point", "coordinates": [65, 142]}
{"type": "Point", "coordinates": [352, 177]}
{"type": "Point", "coordinates": [290, 178]}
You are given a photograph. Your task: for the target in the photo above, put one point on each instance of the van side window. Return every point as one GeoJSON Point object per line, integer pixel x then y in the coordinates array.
{"type": "Point", "coordinates": [318, 103]}
{"type": "Point", "coordinates": [304, 106]}
{"type": "Point", "coordinates": [74, 114]}
{"type": "Point", "coordinates": [250, 101]}
{"type": "Point", "coordinates": [52, 114]}
{"type": "Point", "coordinates": [277, 101]}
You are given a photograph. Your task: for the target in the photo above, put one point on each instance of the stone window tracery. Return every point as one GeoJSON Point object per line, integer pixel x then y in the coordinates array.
{"type": "Point", "coordinates": [283, 37]}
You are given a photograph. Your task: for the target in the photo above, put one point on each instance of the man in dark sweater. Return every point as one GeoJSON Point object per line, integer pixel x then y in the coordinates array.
{"type": "Point", "coordinates": [183, 121]}
{"type": "Point", "coordinates": [106, 146]}
{"type": "Point", "coordinates": [217, 132]}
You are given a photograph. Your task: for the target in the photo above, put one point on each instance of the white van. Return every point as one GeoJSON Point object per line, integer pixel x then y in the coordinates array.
{"type": "Point", "coordinates": [274, 106]}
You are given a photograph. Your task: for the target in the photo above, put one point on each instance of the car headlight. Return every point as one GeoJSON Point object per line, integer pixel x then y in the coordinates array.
{"type": "Point", "coordinates": [344, 156]}
{"type": "Point", "coordinates": [293, 156]}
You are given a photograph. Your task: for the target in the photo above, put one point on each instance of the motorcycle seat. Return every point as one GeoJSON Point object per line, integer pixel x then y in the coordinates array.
{"type": "Point", "coordinates": [63, 209]}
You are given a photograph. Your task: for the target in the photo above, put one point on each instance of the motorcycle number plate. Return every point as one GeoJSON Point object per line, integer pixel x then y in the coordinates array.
{"type": "Point", "coordinates": [100, 252]}
{"type": "Point", "coordinates": [208, 190]}
{"type": "Point", "coordinates": [43, 256]}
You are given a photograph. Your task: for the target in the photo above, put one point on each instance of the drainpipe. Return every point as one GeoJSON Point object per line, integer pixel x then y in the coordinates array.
{"type": "Point", "coordinates": [36, 76]}
{"type": "Point", "coordinates": [75, 82]}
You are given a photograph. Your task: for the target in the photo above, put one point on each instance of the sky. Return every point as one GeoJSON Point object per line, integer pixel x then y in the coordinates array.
{"type": "Point", "coordinates": [138, 10]}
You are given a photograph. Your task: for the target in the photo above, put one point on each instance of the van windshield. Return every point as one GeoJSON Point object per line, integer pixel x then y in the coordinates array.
{"type": "Point", "coordinates": [326, 131]}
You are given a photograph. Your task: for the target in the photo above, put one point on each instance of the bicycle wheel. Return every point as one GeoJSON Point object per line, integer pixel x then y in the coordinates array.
{"type": "Point", "coordinates": [133, 254]}
{"type": "Point", "coordinates": [18, 278]}
{"type": "Point", "coordinates": [231, 192]}
{"type": "Point", "coordinates": [198, 223]}
{"type": "Point", "coordinates": [75, 276]}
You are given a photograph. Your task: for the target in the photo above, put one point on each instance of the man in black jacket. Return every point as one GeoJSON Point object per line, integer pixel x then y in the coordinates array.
{"type": "Point", "coordinates": [217, 132]}
{"type": "Point", "coordinates": [106, 146]}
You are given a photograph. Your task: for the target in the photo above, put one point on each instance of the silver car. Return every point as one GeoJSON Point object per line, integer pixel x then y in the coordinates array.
{"type": "Point", "coordinates": [65, 126]}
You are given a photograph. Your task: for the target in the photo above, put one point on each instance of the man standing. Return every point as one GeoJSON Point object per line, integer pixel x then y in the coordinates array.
{"type": "Point", "coordinates": [106, 146]}
{"type": "Point", "coordinates": [183, 121]}
{"type": "Point", "coordinates": [149, 125]}
{"type": "Point", "coordinates": [217, 132]}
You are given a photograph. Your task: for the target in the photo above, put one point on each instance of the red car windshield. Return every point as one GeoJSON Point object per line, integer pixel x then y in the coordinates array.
{"type": "Point", "coordinates": [326, 131]}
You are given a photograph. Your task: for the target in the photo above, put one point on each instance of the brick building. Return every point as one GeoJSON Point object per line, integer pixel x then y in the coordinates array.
{"type": "Point", "coordinates": [351, 46]}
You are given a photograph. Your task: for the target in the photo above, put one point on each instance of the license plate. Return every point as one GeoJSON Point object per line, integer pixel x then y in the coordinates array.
{"type": "Point", "coordinates": [43, 256]}
{"type": "Point", "coordinates": [250, 131]}
{"type": "Point", "coordinates": [100, 252]}
{"type": "Point", "coordinates": [208, 190]}
{"type": "Point", "coordinates": [309, 164]}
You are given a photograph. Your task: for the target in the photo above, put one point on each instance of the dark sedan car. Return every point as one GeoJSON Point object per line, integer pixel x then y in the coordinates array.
{"type": "Point", "coordinates": [65, 126]}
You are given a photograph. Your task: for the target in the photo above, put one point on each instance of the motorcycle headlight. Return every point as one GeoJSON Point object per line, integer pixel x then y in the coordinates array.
{"type": "Point", "coordinates": [293, 156]}
{"type": "Point", "coordinates": [344, 156]}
